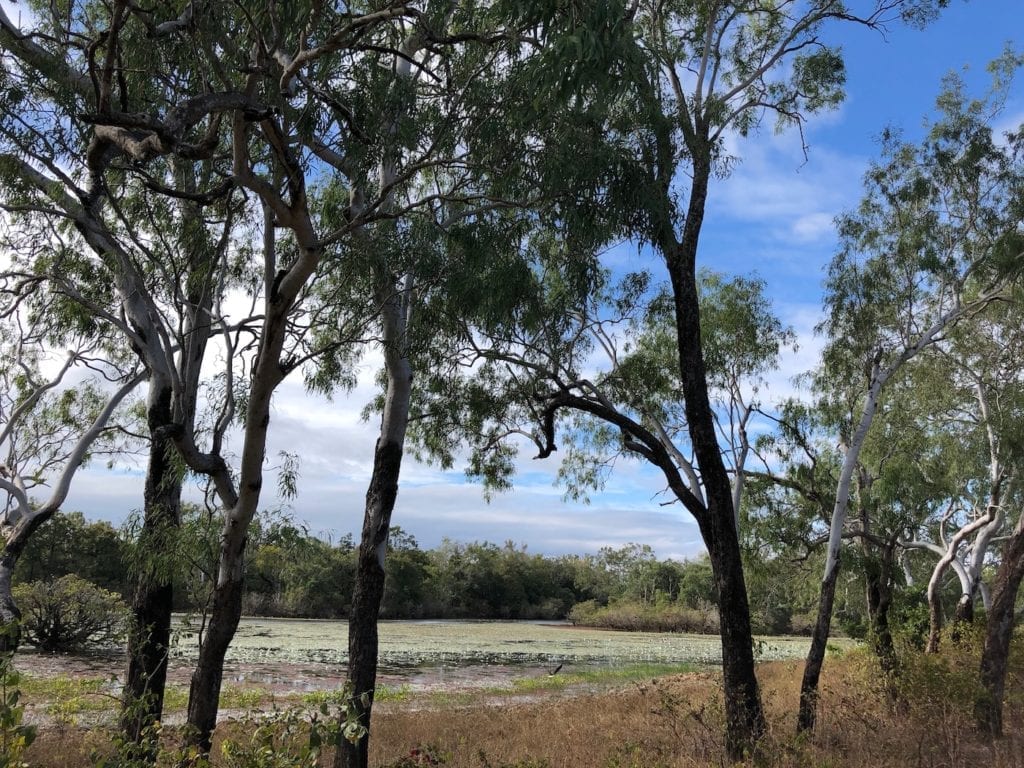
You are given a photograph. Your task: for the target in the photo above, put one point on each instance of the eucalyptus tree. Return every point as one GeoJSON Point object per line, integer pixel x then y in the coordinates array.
{"type": "Point", "coordinates": [999, 626]}
{"type": "Point", "coordinates": [935, 240]}
{"type": "Point", "coordinates": [598, 359]}
{"type": "Point", "coordinates": [373, 107]}
{"type": "Point", "coordinates": [434, 146]}
{"type": "Point", "coordinates": [719, 68]}
{"type": "Point", "coordinates": [708, 70]}
{"type": "Point", "coordinates": [716, 69]}
{"type": "Point", "coordinates": [187, 125]}
{"type": "Point", "coordinates": [157, 218]}
{"type": "Point", "coordinates": [972, 385]}
{"type": "Point", "coordinates": [996, 377]}
{"type": "Point", "coordinates": [899, 482]}
{"type": "Point", "coordinates": [49, 426]}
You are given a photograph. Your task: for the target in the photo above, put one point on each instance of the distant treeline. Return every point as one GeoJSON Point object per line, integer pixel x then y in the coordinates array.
{"type": "Point", "coordinates": [293, 573]}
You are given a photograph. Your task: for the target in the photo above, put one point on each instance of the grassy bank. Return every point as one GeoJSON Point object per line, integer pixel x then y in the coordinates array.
{"type": "Point", "coordinates": [666, 721]}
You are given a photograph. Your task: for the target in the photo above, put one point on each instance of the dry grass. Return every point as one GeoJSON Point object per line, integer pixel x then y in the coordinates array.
{"type": "Point", "coordinates": [676, 721]}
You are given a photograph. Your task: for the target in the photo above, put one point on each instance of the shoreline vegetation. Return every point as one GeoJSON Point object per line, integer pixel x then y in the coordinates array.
{"type": "Point", "coordinates": [293, 574]}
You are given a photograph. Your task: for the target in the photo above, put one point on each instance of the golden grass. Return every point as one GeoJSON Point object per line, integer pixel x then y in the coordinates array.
{"type": "Point", "coordinates": [676, 722]}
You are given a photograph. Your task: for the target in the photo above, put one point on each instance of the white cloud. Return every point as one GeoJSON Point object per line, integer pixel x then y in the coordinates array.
{"type": "Point", "coordinates": [813, 227]}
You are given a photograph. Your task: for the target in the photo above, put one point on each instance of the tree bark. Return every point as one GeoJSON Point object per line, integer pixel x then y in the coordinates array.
{"type": "Point", "coordinates": [743, 712]}
{"type": "Point", "coordinates": [965, 605]}
{"type": "Point", "coordinates": [935, 620]}
{"type": "Point", "coordinates": [823, 625]}
{"type": "Point", "coordinates": [366, 600]}
{"type": "Point", "coordinates": [964, 612]}
{"type": "Point", "coordinates": [807, 715]}
{"type": "Point", "coordinates": [10, 614]}
{"type": "Point", "coordinates": [381, 495]}
{"type": "Point", "coordinates": [878, 582]}
{"type": "Point", "coordinates": [149, 638]}
{"type": "Point", "coordinates": [988, 709]}
{"type": "Point", "coordinates": [204, 691]}
{"type": "Point", "coordinates": [744, 715]}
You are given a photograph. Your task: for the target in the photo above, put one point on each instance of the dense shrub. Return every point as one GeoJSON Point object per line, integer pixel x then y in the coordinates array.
{"type": "Point", "coordinates": [69, 614]}
{"type": "Point", "coordinates": [803, 623]}
{"type": "Point", "coordinates": [646, 617]}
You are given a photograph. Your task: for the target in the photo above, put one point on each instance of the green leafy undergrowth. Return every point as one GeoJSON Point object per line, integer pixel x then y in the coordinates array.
{"type": "Point", "coordinates": [15, 736]}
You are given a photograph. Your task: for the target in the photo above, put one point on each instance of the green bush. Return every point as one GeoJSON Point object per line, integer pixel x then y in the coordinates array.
{"type": "Point", "coordinates": [69, 614]}
{"type": "Point", "coordinates": [646, 617]}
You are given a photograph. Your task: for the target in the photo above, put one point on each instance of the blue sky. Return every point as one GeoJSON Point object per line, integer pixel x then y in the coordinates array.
{"type": "Point", "coordinates": [772, 216]}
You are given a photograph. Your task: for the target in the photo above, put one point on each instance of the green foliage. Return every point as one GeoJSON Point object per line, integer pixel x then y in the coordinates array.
{"type": "Point", "coordinates": [285, 739]}
{"type": "Point", "coordinates": [936, 226]}
{"type": "Point", "coordinates": [289, 738]}
{"type": "Point", "coordinates": [68, 614]}
{"type": "Point", "coordinates": [146, 753]}
{"type": "Point", "coordinates": [15, 736]}
{"type": "Point", "coordinates": [184, 552]}
{"type": "Point", "coordinates": [908, 616]}
{"type": "Point", "coordinates": [291, 573]}
{"type": "Point", "coordinates": [69, 544]}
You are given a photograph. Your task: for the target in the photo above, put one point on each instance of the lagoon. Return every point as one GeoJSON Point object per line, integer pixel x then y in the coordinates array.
{"type": "Point", "coordinates": [410, 645]}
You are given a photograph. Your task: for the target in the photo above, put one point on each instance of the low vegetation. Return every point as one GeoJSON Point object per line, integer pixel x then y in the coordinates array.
{"type": "Point", "coordinates": [69, 613]}
{"type": "Point", "coordinates": [647, 717]}
{"type": "Point", "coordinates": [646, 617]}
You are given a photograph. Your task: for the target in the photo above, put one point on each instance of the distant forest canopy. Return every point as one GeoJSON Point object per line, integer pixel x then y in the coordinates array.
{"type": "Point", "coordinates": [291, 572]}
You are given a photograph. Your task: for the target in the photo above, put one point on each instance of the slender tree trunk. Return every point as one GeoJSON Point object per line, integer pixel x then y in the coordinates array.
{"type": "Point", "coordinates": [367, 597]}
{"type": "Point", "coordinates": [149, 639]}
{"type": "Point", "coordinates": [935, 620]}
{"type": "Point", "coordinates": [823, 625]}
{"type": "Point", "coordinates": [879, 593]}
{"type": "Point", "coordinates": [964, 607]}
{"type": "Point", "coordinates": [807, 715]}
{"type": "Point", "coordinates": [878, 579]}
{"type": "Point", "coordinates": [240, 501]}
{"type": "Point", "coordinates": [381, 495]}
{"type": "Point", "coordinates": [204, 691]}
{"type": "Point", "coordinates": [988, 710]}
{"type": "Point", "coordinates": [744, 715]}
